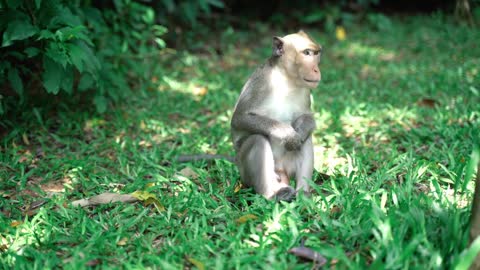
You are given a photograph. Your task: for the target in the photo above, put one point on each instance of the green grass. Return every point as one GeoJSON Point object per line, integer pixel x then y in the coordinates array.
{"type": "Point", "coordinates": [398, 115]}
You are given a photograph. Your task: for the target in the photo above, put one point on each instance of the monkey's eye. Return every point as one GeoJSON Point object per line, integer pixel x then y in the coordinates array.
{"type": "Point", "coordinates": [308, 52]}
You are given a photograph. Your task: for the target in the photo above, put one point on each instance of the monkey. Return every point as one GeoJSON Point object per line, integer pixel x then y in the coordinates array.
{"type": "Point", "coordinates": [272, 122]}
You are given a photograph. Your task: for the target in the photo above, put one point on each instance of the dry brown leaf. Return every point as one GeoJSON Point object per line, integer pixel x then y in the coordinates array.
{"type": "Point", "coordinates": [238, 187]}
{"type": "Point", "coordinates": [25, 139]}
{"type": "Point", "coordinates": [189, 173]}
{"type": "Point", "coordinates": [105, 198]}
{"type": "Point", "coordinates": [16, 223]}
{"type": "Point", "coordinates": [196, 262]}
{"type": "Point", "coordinates": [199, 91]}
{"type": "Point", "coordinates": [122, 242]}
{"type": "Point", "coordinates": [427, 102]}
{"type": "Point", "coordinates": [245, 218]}
{"type": "Point", "coordinates": [93, 262]}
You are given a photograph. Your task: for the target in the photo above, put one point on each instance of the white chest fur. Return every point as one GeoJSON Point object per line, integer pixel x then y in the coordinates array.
{"type": "Point", "coordinates": [286, 101]}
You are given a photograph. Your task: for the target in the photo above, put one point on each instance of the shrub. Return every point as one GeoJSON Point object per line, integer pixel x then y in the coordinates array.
{"type": "Point", "coordinates": [67, 46]}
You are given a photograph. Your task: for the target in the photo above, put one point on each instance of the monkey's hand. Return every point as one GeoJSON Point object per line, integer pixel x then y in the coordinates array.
{"type": "Point", "coordinates": [288, 137]}
{"type": "Point", "coordinates": [304, 125]}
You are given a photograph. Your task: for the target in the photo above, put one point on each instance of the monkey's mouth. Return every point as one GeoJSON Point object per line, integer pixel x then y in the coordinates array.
{"type": "Point", "coordinates": [311, 81]}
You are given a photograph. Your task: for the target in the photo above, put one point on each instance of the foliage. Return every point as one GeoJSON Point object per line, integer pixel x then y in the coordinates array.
{"type": "Point", "coordinates": [185, 11]}
{"type": "Point", "coordinates": [398, 117]}
{"type": "Point", "coordinates": [69, 47]}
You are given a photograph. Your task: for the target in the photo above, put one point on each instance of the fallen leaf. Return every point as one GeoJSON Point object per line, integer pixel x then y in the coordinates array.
{"type": "Point", "coordinates": [16, 223]}
{"type": "Point", "coordinates": [199, 91]}
{"type": "Point", "coordinates": [143, 195]}
{"type": "Point", "coordinates": [25, 139]}
{"type": "Point", "coordinates": [238, 187]}
{"type": "Point", "coordinates": [309, 254]}
{"type": "Point", "coordinates": [427, 102]}
{"type": "Point", "coordinates": [189, 173]}
{"type": "Point", "coordinates": [197, 263]}
{"type": "Point", "coordinates": [122, 242]}
{"type": "Point", "coordinates": [105, 198]}
{"type": "Point", "coordinates": [335, 210]}
{"type": "Point", "coordinates": [93, 262]}
{"type": "Point", "coordinates": [156, 203]}
{"type": "Point", "coordinates": [387, 56]}
{"type": "Point", "coordinates": [245, 218]}
{"type": "Point", "coordinates": [340, 33]}
{"type": "Point", "coordinates": [148, 199]}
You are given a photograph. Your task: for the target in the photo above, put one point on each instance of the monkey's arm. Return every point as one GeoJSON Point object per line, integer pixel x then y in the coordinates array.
{"type": "Point", "coordinates": [258, 124]}
{"type": "Point", "coordinates": [304, 125]}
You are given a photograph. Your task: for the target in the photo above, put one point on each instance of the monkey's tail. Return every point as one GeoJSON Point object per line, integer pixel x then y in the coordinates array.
{"type": "Point", "coordinates": [198, 157]}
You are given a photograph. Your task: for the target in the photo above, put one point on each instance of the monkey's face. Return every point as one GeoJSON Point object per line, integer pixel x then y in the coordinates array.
{"type": "Point", "coordinates": [302, 59]}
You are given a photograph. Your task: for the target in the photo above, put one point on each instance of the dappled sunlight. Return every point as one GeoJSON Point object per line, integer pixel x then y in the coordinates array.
{"type": "Point", "coordinates": [355, 49]}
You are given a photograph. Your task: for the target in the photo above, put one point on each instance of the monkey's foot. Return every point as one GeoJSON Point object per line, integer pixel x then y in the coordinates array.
{"type": "Point", "coordinates": [285, 194]}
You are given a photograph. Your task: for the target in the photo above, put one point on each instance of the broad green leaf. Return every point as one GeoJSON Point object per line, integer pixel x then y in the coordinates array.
{"type": "Point", "coordinates": [77, 55]}
{"type": "Point", "coordinates": [32, 52]}
{"type": "Point", "coordinates": [64, 17]}
{"type": "Point", "coordinates": [18, 30]}
{"type": "Point", "coordinates": [100, 103]}
{"type": "Point", "coordinates": [216, 3]}
{"type": "Point", "coordinates": [38, 3]}
{"type": "Point", "coordinates": [57, 52]}
{"type": "Point", "coordinates": [169, 4]}
{"type": "Point", "coordinates": [67, 81]}
{"type": "Point", "coordinates": [52, 75]}
{"type": "Point", "coordinates": [13, 4]}
{"type": "Point", "coordinates": [86, 82]}
{"type": "Point", "coordinates": [46, 34]}
{"type": "Point", "coordinates": [149, 16]}
{"type": "Point", "coordinates": [159, 30]}
{"type": "Point", "coordinates": [15, 80]}
{"type": "Point", "coordinates": [160, 42]}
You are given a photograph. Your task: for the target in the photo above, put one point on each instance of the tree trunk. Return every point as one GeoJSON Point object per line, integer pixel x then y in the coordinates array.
{"type": "Point", "coordinates": [462, 11]}
{"type": "Point", "coordinates": [475, 217]}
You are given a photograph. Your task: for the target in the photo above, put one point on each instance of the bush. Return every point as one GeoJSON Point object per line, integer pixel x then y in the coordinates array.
{"type": "Point", "coordinates": [67, 46]}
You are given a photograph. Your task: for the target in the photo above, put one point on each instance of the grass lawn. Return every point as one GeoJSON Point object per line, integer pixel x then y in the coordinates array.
{"type": "Point", "coordinates": [398, 115]}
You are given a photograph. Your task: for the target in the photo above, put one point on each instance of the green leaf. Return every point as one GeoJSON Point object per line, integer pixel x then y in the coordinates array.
{"type": "Point", "coordinates": [216, 3]}
{"type": "Point", "coordinates": [15, 81]}
{"type": "Point", "coordinates": [101, 103]}
{"type": "Point", "coordinates": [45, 34]}
{"type": "Point", "coordinates": [169, 4]}
{"type": "Point", "coordinates": [67, 81]}
{"type": "Point", "coordinates": [32, 52]}
{"type": "Point", "coordinates": [38, 3]}
{"type": "Point", "coordinates": [18, 30]}
{"type": "Point", "coordinates": [13, 4]}
{"type": "Point", "coordinates": [52, 75]}
{"type": "Point", "coordinates": [149, 16]}
{"type": "Point", "coordinates": [77, 55]}
{"type": "Point", "coordinates": [57, 52]}
{"type": "Point", "coordinates": [468, 256]}
{"type": "Point", "coordinates": [86, 82]}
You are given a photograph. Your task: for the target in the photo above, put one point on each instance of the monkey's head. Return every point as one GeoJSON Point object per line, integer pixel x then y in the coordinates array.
{"type": "Point", "coordinates": [299, 56]}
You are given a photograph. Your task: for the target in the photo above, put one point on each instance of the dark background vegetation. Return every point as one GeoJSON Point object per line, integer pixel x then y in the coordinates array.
{"type": "Point", "coordinates": [88, 49]}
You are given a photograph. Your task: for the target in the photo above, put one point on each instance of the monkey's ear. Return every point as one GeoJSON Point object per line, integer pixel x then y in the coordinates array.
{"type": "Point", "coordinates": [278, 49]}
{"type": "Point", "coordinates": [302, 33]}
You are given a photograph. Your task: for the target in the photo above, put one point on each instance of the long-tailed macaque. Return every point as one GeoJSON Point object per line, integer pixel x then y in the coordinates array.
{"type": "Point", "coordinates": [272, 122]}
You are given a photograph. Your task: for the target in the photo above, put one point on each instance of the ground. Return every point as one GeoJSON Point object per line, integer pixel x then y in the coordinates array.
{"type": "Point", "coordinates": [398, 120]}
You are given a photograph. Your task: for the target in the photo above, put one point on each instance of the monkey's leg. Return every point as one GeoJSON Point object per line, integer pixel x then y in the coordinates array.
{"type": "Point", "coordinates": [304, 166]}
{"type": "Point", "coordinates": [257, 168]}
